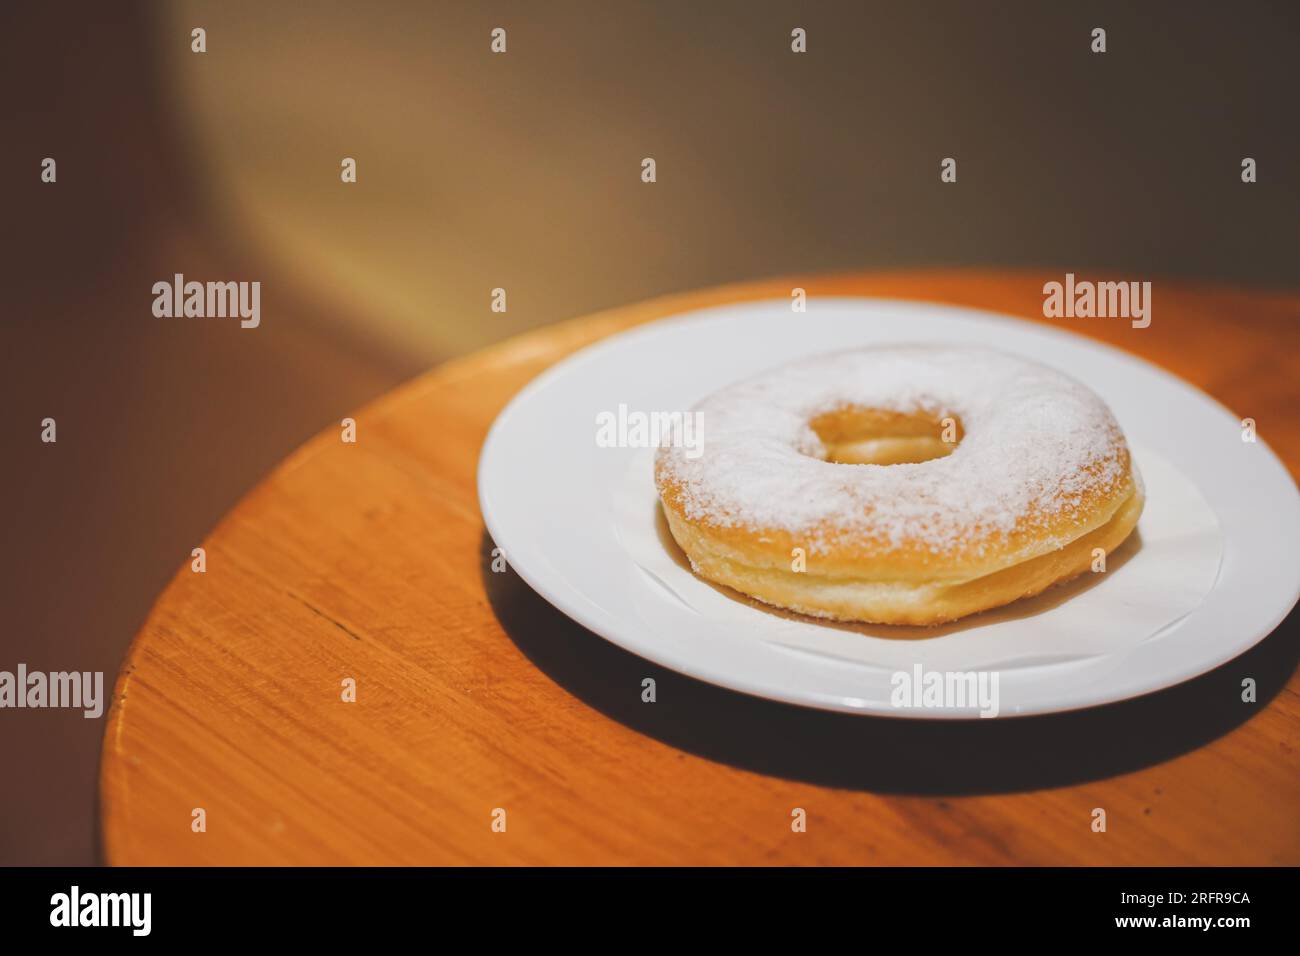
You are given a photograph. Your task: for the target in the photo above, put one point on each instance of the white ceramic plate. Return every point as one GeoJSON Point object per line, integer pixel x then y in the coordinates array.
{"type": "Point", "coordinates": [549, 496]}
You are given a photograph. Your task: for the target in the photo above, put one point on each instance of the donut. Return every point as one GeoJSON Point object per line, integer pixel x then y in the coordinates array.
{"type": "Point", "coordinates": [901, 485]}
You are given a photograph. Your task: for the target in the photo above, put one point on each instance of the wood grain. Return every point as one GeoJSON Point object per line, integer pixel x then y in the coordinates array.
{"type": "Point", "coordinates": [370, 561]}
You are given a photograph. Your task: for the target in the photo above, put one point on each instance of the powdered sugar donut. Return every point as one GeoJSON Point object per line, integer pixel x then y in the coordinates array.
{"type": "Point", "coordinates": [902, 485]}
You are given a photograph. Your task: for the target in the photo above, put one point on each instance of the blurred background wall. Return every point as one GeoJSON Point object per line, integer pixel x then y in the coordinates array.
{"type": "Point", "coordinates": [522, 171]}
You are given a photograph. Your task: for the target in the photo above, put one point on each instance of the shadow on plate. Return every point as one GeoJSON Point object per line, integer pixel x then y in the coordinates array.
{"type": "Point", "coordinates": [887, 754]}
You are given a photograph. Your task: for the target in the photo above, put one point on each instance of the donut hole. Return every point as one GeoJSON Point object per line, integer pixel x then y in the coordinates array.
{"type": "Point", "coordinates": [876, 436]}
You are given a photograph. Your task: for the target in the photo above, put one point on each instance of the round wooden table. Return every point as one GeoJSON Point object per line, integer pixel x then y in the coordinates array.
{"type": "Point", "coordinates": [369, 561]}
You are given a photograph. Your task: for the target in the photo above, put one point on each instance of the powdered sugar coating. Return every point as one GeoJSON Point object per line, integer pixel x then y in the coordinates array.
{"type": "Point", "coordinates": [1036, 445]}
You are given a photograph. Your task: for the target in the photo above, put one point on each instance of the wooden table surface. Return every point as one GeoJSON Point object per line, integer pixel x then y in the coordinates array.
{"type": "Point", "coordinates": [370, 561]}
